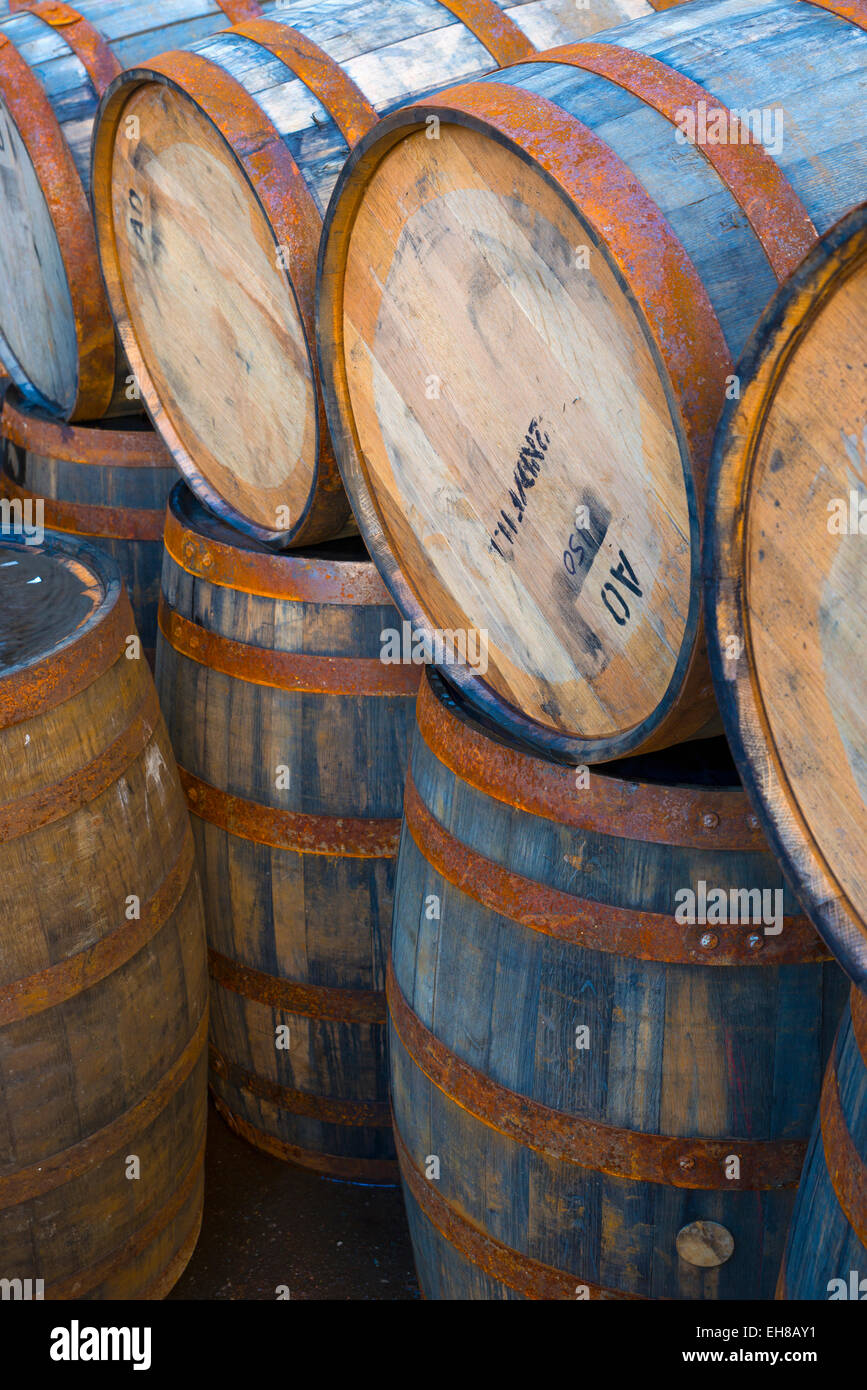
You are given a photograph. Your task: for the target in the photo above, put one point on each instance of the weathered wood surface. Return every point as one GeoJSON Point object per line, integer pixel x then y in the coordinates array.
{"type": "Point", "coordinates": [210, 257]}
{"type": "Point", "coordinates": [826, 1254]}
{"type": "Point", "coordinates": [528, 326]}
{"type": "Point", "coordinates": [786, 587]}
{"type": "Point", "coordinates": [57, 339]}
{"type": "Point", "coordinates": [107, 483]}
{"type": "Point", "coordinates": [528, 908]}
{"type": "Point", "coordinates": [103, 977]}
{"type": "Point", "coordinates": [292, 739]}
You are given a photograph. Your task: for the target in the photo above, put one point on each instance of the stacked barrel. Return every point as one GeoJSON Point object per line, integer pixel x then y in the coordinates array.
{"type": "Point", "coordinates": [788, 643]}
{"type": "Point", "coordinates": [291, 733]}
{"type": "Point", "coordinates": [451, 314]}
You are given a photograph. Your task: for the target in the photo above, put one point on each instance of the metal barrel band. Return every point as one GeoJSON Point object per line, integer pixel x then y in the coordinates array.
{"type": "Point", "coordinates": [46, 684]}
{"type": "Point", "coordinates": [358, 1006]}
{"type": "Point", "coordinates": [498, 1261]}
{"type": "Point", "coordinates": [289, 578]}
{"type": "Point", "coordinates": [27, 104]}
{"type": "Point", "coordinates": [67, 978]}
{"type": "Point", "coordinates": [854, 11]}
{"type": "Point", "coordinates": [686, 818]}
{"type": "Point", "coordinates": [68, 795]}
{"type": "Point", "coordinates": [847, 1168]}
{"type": "Point", "coordinates": [773, 209]}
{"type": "Point", "coordinates": [639, 238]}
{"type": "Point", "coordinates": [599, 926]}
{"type": "Point", "coordinates": [237, 11]}
{"type": "Point", "coordinates": [288, 671]}
{"type": "Point", "coordinates": [91, 519]}
{"type": "Point", "coordinates": [89, 1279]}
{"type": "Point", "coordinates": [349, 108]}
{"type": "Point", "coordinates": [494, 29]}
{"type": "Point", "coordinates": [327, 1109]}
{"type": "Point", "coordinates": [86, 42]}
{"type": "Point", "coordinates": [56, 1169]}
{"type": "Point", "coordinates": [376, 1170]}
{"type": "Point", "coordinates": [341, 836]}
{"type": "Point", "coordinates": [695, 1163]}
{"type": "Point", "coordinates": [104, 448]}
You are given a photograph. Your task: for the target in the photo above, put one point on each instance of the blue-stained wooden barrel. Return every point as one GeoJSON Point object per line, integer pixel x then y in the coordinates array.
{"type": "Point", "coordinates": [600, 229]}
{"type": "Point", "coordinates": [108, 483]}
{"type": "Point", "coordinates": [57, 339]}
{"type": "Point", "coordinates": [209, 252]}
{"type": "Point", "coordinates": [826, 1254]}
{"type": "Point", "coordinates": [292, 738]}
{"type": "Point", "coordinates": [591, 1098]}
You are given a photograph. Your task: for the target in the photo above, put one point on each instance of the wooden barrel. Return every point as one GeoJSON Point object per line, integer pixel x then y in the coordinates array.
{"type": "Point", "coordinates": [600, 258]}
{"type": "Point", "coordinates": [826, 1254]}
{"type": "Point", "coordinates": [103, 979]}
{"type": "Point", "coordinates": [107, 483]}
{"type": "Point", "coordinates": [296, 824]}
{"type": "Point", "coordinates": [593, 1096]}
{"type": "Point", "coordinates": [787, 582]}
{"type": "Point", "coordinates": [209, 221]}
{"type": "Point", "coordinates": [57, 339]}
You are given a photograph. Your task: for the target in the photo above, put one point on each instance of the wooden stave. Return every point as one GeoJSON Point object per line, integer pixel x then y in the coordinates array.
{"type": "Point", "coordinates": [433, 1116]}
{"type": "Point", "coordinates": [688, 709]}
{"type": "Point", "coordinates": [79, 474]}
{"type": "Point", "coordinates": [827, 1237]}
{"type": "Point", "coordinates": [96, 1237]}
{"type": "Point", "coordinates": [327, 1112]}
{"type": "Point", "coordinates": [104, 373]}
{"type": "Point", "coordinates": [839, 920]}
{"type": "Point", "coordinates": [327, 512]}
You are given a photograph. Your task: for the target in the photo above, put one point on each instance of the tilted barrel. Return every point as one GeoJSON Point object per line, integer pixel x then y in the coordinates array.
{"type": "Point", "coordinates": [600, 1089]}
{"type": "Point", "coordinates": [212, 169]}
{"type": "Point", "coordinates": [787, 582]}
{"type": "Point", "coordinates": [528, 327]}
{"type": "Point", "coordinates": [57, 338]}
{"type": "Point", "coordinates": [292, 736]}
{"type": "Point", "coordinates": [103, 976]}
{"type": "Point", "coordinates": [108, 483]}
{"type": "Point", "coordinates": [826, 1254]}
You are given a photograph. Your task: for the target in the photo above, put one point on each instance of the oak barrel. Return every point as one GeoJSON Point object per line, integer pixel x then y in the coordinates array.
{"type": "Point", "coordinates": [826, 1254]}
{"type": "Point", "coordinates": [57, 339]}
{"type": "Point", "coordinates": [209, 221]}
{"type": "Point", "coordinates": [108, 482]}
{"type": "Point", "coordinates": [593, 1098]}
{"type": "Point", "coordinates": [292, 737]}
{"type": "Point", "coordinates": [787, 582]}
{"type": "Point", "coordinates": [103, 978]}
{"type": "Point", "coordinates": [528, 326]}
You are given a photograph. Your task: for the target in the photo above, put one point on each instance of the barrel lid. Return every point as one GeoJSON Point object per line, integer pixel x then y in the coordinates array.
{"type": "Point", "coordinates": [503, 413]}
{"type": "Point", "coordinates": [64, 618]}
{"type": "Point", "coordinates": [786, 582]}
{"type": "Point", "coordinates": [338, 572]}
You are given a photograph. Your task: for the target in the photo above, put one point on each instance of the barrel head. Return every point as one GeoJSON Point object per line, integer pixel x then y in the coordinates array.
{"type": "Point", "coordinates": [786, 585]}
{"type": "Point", "coordinates": [507, 433]}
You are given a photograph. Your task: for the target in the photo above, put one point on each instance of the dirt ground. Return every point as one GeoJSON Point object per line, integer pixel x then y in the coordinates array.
{"type": "Point", "coordinates": [269, 1225]}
